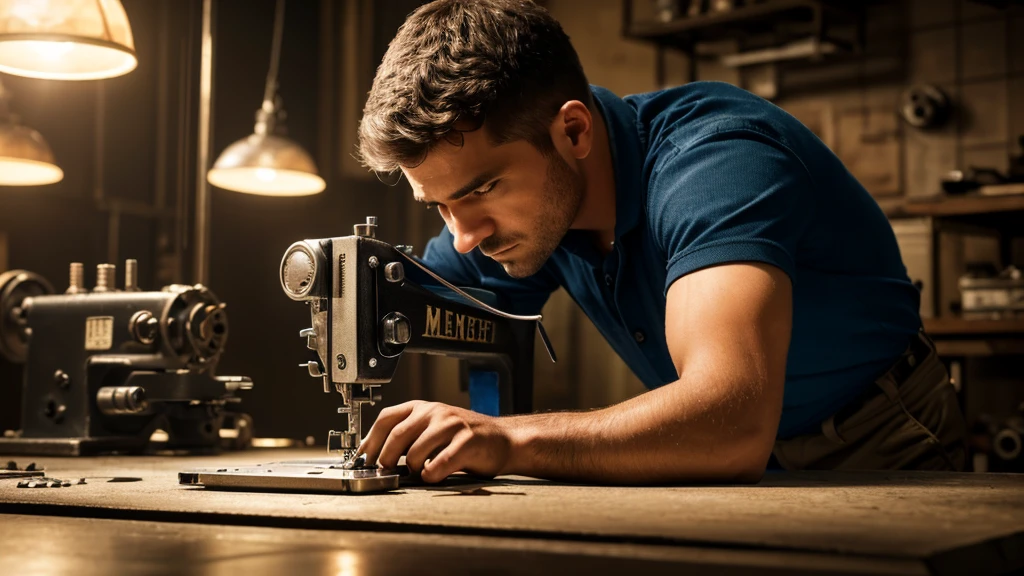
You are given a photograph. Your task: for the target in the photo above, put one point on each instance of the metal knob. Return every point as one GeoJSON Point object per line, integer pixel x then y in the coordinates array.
{"type": "Point", "coordinates": [396, 329]}
{"type": "Point", "coordinates": [368, 230]}
{"type": "Point", "coordinates": [144, 327]}
{"type": "Point", "coordinates": [114, 400]}
{"type": "Point", "coordinates": [394, 272]}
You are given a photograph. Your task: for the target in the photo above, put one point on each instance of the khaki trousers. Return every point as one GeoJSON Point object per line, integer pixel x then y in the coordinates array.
{"type": "Point", "coordinates": [910, 420]}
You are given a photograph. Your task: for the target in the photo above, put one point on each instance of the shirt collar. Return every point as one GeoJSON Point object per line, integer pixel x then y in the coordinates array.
{"type": "Point", "coordinates": [627, 160]}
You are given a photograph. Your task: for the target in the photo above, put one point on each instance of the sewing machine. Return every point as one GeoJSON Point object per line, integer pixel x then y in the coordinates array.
{"type": "Point", "coordinates": [368, 306]}
{"type": "Point", "coordinates": [109, 370]}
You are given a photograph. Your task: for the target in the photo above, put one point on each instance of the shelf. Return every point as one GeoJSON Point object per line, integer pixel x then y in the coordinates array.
{"type": "Point", "coordinates": [963, 205]}
{"type": "Point", "coordinates": [938, 327]}
{"type": "Point", "coordinates": [744, 20]}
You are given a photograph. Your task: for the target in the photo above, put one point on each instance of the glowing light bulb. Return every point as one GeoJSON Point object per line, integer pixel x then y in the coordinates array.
{"type": "Point", "coordinates": [52, 50]}
{"type": "Point", "coordinates": [266, 174]}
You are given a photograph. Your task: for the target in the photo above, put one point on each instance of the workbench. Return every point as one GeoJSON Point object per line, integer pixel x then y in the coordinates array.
{"type": "Point", "coordinates": [789, 523]}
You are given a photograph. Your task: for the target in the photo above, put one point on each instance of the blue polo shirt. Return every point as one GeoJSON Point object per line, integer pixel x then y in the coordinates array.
{"type": "Point", "coordinates": [707, 174]}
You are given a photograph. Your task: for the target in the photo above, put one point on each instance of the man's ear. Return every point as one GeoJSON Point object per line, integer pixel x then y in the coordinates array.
{"type": "Point", "coordinates": [572, 131]}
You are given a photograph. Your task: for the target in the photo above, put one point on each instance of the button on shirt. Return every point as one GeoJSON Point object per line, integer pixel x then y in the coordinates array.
{"type": "Point", "coordinates": [707, 174]}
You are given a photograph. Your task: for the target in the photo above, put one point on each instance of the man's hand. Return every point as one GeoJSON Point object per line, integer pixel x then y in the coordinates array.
{"type": "Point", "coordinates": [438, 440]}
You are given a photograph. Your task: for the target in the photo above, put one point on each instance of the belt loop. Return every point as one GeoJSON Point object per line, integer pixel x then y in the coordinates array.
{"type": "Point", "coordinates": [828, 428]}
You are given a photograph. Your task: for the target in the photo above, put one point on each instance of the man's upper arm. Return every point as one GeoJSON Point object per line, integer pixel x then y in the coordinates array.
{"type": "Point", "coordinates": [730, 212]}
{"type": "Point", "coordinates": [727, 329]}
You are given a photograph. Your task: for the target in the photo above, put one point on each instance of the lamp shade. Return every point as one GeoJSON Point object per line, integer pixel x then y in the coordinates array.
{"type": "Point", "coordinates": [267, 165]}
{"type": "Point", "coordinates": [25, 158]}
{"type": "Point", "coordinates": [65, 39]}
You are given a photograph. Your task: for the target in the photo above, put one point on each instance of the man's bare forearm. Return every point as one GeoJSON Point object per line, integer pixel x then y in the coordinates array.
{"type": "Point", "coordinates": [676, 433]}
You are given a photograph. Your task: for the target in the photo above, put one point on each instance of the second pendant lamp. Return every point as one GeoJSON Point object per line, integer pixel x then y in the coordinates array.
{"type": "Point", "coordinates": [25, 158]}
{"type": "Point", "coordinates": [267, 163]}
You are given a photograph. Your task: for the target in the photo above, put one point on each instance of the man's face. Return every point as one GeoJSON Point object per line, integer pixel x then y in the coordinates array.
{"type": "Point", "coordinates": [511, 201]}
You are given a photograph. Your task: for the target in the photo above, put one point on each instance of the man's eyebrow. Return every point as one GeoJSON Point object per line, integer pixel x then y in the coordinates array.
{"type": "Point", "coordinates": [472, 185]}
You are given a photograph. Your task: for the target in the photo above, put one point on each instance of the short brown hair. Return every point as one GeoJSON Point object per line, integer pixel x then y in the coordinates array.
{"type": "Point", "coordinates": [506, 62]}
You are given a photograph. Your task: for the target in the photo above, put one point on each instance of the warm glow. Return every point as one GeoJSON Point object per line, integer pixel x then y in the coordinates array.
{"type": "Point", "coordinates": [266, 181]}
{"type": "Point", "coordinates": [17, 172]}
{"type": "Point", "coordinates": [64, 60]}
{"type": "Point", "coordinates": [349, 563]}
{"type": "Point", "coordinates": [266, 174]}
{"type": "Point", "coordinates": [52, 50]}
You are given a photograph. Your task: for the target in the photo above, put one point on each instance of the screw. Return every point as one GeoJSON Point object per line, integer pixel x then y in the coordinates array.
{"type": "Point", "coordinates": [373, 362]}
{"type": "Point", "coordinates": [61, 378]}
{"type": "Point", "coordinates": [341, 362]}
{"type": "Point", "coordinates": [373, 262]}
{"type": "Point", "coordinates": [105, 278]}
{"type": "Point", "coordinates": [77, 278]}
{"type": "Point", "coordinates": [131, 275]}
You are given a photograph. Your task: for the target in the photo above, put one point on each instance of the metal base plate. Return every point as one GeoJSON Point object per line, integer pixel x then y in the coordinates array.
{"type": "Point", "coordinates": [326, 475]}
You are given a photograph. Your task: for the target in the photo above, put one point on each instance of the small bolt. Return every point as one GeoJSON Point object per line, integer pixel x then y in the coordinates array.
{"type": "Point", "coordinates": [341, 362]}
{"type": "Point", "coordinates": [373, 262]}
{"type": "Point", "coordinates": [61, 378]}
{"type": "Point", "coordinates": [373, 362]}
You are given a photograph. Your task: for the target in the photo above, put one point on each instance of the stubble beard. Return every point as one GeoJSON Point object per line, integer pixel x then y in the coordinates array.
{"type": "Point", "coordinates": [563, 194]}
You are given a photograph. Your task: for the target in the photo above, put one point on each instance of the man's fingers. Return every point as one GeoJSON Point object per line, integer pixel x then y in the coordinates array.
{"type": "Point", "coordinates": [381, 429]}
{"type": "Point", "coordinates": [446, 463]}
{"type": "Point", "coordinates": [429, 444]}
{"type": "Point", "coordinates": [401, 437]}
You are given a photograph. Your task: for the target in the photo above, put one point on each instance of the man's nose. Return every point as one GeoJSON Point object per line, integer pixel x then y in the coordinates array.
{"type": "Point", "coordinates": [469, 231]}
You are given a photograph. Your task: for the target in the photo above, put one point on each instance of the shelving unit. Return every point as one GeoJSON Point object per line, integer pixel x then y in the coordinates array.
{"type": "Point", "coordinates": [1004, 216]}
{"type": "Point", "coordinates": [785, 19]}
{"type": "Point", "coordinates": [967, 205]}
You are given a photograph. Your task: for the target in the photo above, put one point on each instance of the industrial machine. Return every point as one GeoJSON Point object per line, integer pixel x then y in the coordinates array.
{"type": "Point", "coordinates": [368, 306]}
{"type": "Point", "coordinates": [116, 370]}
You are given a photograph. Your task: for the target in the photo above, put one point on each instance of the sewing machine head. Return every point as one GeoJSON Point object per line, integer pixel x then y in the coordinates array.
{"type": "Point", "coordinates": [106, 368]}
{"type": "Point", "coordinates": [367, 309]}
{"type": "Point", "coordinates": [368, 306]}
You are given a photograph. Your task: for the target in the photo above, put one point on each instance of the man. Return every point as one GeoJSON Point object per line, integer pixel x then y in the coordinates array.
{"type": "Point", "coordinates": [725, 253]}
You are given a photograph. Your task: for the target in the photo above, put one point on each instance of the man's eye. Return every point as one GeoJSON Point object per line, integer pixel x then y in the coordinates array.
{"type": "Point", "coordinates": [486, 190]}
{"type": "Point", "coordinates": [432, 205]}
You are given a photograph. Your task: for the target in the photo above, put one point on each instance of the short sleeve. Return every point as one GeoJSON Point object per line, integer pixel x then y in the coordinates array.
{"type": "Point", "coordinates": [733, 196]}
{"type": "Point", "coordinates": [525, 296]}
